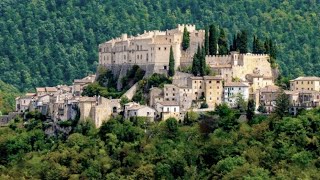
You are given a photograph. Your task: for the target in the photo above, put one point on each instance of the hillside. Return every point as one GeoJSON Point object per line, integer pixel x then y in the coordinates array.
{"type": "Point", "coordinates": [52, 42]}
{"type": "Point", "coordinates": [8, 93]}
{"type": "Point", "coordinates": [212, 146]}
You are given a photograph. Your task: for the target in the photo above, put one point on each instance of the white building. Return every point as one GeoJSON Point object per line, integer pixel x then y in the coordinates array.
{"type": "Point", "coordinates": [133, 109]}
{"type": "Point", "coordinates": [232, 90]}
{"type": "Point", "coordinates": [168, 109]}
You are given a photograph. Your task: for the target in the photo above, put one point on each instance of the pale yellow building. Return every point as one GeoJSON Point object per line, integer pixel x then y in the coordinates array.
{"type": "Point", "coordinates": [305, 83]}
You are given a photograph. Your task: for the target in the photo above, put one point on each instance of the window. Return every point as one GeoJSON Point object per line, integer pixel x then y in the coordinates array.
{"type": "Point", "coordinates": [173, 99]}
{"type": "Point", "coordinates": [210, 87]}
{"type": "Point", "coordinates": [124, 57]}
{"type": "Point", "coordinates": [166, 94]}
{"type": "Point", "coordinates": [165, 48]}
{"type": "Point", "coordinates": [200, 87]}
{"type": "Point", "coordinates": [218, 82]}
{"type": "Point", "coordinates": [167, 109]}
{"type": "Point", "coordinates": [297, 82]}
{"type": "Point", "coordinates": [159, 48]}
{"type": "Point", "coordinates": [165, 67]}
{"type": "Point", "coordinates": [173, 94]}
{"type": "Point", "coordinates": [175, 110]}
{"type": "Point", "coordinates": [173, 89]}
{"type": "Point", "coordinates": [210, 82]}
{"type": "Point", "coordinates": [148, 113]}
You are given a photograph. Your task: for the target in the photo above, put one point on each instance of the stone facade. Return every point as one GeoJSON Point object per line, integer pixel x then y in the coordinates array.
{"type": "Point", "coordinates": [169, 109]}
{"type": "Point", "coordinates": [150, 48]}
{"type": "Point", "coordinates": [238, 65]}
{"type": "Point", "coordinates": [268, 96]}
{"type": "Point", "coordinates": [305, 83]}
{"type": "Point", "coordinates": [98, 109]}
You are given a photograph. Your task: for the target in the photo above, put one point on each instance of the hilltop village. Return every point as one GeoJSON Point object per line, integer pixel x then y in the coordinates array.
{"type": "Point", "coordinates": [234, 76]}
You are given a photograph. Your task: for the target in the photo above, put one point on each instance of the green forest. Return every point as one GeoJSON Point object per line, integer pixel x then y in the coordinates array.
{"type": "Point", "coordinates": [214, 145]}
{"type": "Point", "coordinates": [46, 43]}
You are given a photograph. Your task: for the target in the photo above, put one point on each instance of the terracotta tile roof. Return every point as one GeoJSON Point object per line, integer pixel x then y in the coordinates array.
{"type": "Point", "coordinates": [307, 78]}
{"type": "Point", "coordinates": [235, 84]}
{"type": "Point", "coordinates": [87, 99]}
{"type": "Point", "coordinates": [41, 89]}
{"type": "Point", "coordinates": [212, 77]}
{"type": "Point", "coordinates": [169, 103]}
{"type": "Point", "coordinates": [51, 89]}
{"type": "Point", "coordinates": [270, 88]}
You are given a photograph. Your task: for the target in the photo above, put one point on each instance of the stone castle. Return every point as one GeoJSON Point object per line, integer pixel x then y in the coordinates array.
{"type": "Point", "coordinates": [151, 50]}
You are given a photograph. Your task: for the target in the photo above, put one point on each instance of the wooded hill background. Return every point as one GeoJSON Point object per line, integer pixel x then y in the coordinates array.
{"type": "Point", "coordinates": [45, 43]}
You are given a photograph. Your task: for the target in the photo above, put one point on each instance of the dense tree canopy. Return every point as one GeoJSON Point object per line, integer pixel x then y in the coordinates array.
{"type": "Point", "coordinates": [213, 145]}
{"type": "Point", "coordinates": [52, 42]}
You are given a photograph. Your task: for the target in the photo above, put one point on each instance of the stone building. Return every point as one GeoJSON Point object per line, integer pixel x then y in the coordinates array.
{"type": "Point", "coordinates": [155, 96]}
{"type": "Point", "coordinates": [268, 96]}
{"type": "Point", "coordinates": [98, 109]}
{"type": "Point", "coordinates": [232, 91]}
{"type": "Point", "coordinates": [168, 109]}
{"type": "Point", "coordinates": [303, 99]}
{"type": "Point", "coordinates": [136, 110]}
{"type": "Point", "coordinates": [151, 49]}
{"type": "Point", "coordinates": [208, 89]}
{"type": "Point", "coordinates": [80, 84]}
{"type": "Point", "coordinates": [305, 83]}
{"type": "Point", "coordinates": [238, 65]}
{"type": "Point", "coordinates": [23, 102]}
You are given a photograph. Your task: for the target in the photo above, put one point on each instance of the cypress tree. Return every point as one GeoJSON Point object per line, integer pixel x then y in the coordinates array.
{"type": "Point", "coordinates": [233, 47]}
{"type": "Point", "coordinates": [195, 65]}
{"type": "Point", "coordinates": [243, 42]}
{"type": "Point", "coordinates": [206, 41]}
{"type": "Point", "coordinates": [223, 43]}
{"type": "Point", "coordinates": [171, 63]}
{"type": "Point", "coordinates": [238, 41]}
{"type": "Point", "coordinates": [185, 39]}
{"type": "Point", "coordinates": [259, 47]}
{"type": "Point", "coordinates": [250, 109]}
{"type": "Point", "coordinates": [267, 46]}
{"type": "Point", "coordinates": [203, 62]}
{"type": "Point", "coordinates": [213, 41]}
{"type": "Point", "coordinates": [254, 45]}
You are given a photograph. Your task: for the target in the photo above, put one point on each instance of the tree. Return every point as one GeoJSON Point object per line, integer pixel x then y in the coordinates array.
{"type": "Point", "coordinates": [172, 127]}
{"type": "Point", "coordinates": [233, 47]}
{"type": "Point", "coordinates": [213, 40]}
{"type": "Point", "coordinates": [223, 43]}
{"type": "Point", "coordinates": [243, 42]}
{"type": "Point", "coordinates": [282, 105]}
{"type": "Point", "coordinates": [206, 41]}
{"type": "Point", "coordinates": [250, 110]}
{"type": "Point", "coordinates": [203, 63]}
{"type": "Point", "coordinates": [257, 46]}
{"type": "Point", "coordinates": [262, 109]}
{"type": "Point", "coordinates": [185, 39]}
{"type": "Point", "coordinates": [196, 63]}
{"type": "Point", "coordinates": [190, 118]}
{"type": "Point", "coordinates": [124, 100]}
{"type": "Point", "coordinates": [241, 103]}
{"type": "Point", "coordinates": [171, 63]}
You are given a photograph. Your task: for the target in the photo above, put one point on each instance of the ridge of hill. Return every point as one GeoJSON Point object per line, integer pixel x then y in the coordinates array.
{"type": "Point", "coordinates": [44, 43]}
